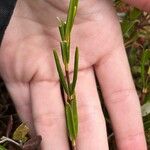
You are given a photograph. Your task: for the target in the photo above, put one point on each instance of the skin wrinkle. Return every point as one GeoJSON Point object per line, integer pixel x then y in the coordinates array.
{"type": "Point", "coordinates": [82, 15]}
{"type": "Point", "coordinates": [64, 5]}
{"type": "Point", "coordinates": [103, 58]}
{"type": "Point", "coordinates": [121, 95]}
{"type": "Point", "coordinates": [131, 137]}
{"type": "Point", "coordinates": [62, 9]}
{"type": "Point", "coordinates": [49, 119]}
{"type": "Point", "coordinates": [129, 141]}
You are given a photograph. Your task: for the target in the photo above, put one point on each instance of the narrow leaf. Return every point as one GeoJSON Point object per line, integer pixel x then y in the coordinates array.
{"type": "Point", "coordinates": [62, 27]}
{"type": "Point", "coordinates": [76, 6]}
{"type": "Point", "coordinates": [62, 32]}
{"type": "Point", "coordinates": [147, 125]}
{"type": "Point", "coordinates": [135, 14]}
{"type": "Point", "coordinates": [64, 50]}
{"type": "Point", "coordinates": [75, 114]}
{"type": "Point", "coordinates": [128, 27]}
{"type": "Point", "coordinates": [70, 122]}
{"type": "Point", "coordinates": [70, 18]}
{"type": "Point", "coordinates": [75, 75]}
{"type": "Point", "coordinates": [145, 58]}
{"type": "Point", "coordinates": [60, 72]}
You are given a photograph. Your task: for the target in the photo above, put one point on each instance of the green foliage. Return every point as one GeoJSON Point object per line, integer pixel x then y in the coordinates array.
{"type": "Point", "coordinates": [136, 32]}
{"type": "Point", "coordinates": [60, 72]}
{"type": "Point", "coordinates": [2, 147]}
{"type": "Point", "coordinates": [129, 22]}
{"type": "Point", "coordinates": [145, 63]}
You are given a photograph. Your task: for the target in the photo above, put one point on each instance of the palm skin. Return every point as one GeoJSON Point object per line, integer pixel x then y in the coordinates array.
{"type": "Point", "coordinates": [28, 69]}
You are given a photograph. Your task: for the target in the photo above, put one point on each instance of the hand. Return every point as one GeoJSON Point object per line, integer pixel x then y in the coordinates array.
{"type": "Point", "coordinates": [28, 69]}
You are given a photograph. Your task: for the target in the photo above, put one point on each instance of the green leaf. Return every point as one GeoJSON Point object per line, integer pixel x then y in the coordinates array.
{"type": "Point", "coordinates": [145, 58]}
{"type": "Point", "coordinates": [76, 65]}
{"type": "Point", "coordinates": [147, 125]}
{"type": "Point", "coordinates": [65, 49]}
{"type": "Point", "coordinates": [134, 14]}
{"type": "Point", "coordinates": [130, 21]}
{"type": "Point", "coordinates": [62, 32]}
{"type": "Point", "coordinates": [62, 27]}
{"type": "Point", "coordinates": [21, 133]}
{"type": "Point", "coordinates": [128, 27]}
{"type": "Point", "coordinates": [75, 114]}
{"type": "Point", "coordinates": [70, 122]}
{"type": "Point", "coordinates": [76, 3]}
{"type": "Point", "coordinates": [70, 18]}
{"type": "Point", "coordinates": [75, 8]}
{"type": "Point", "coordinates": [2, 147]}
{"type": "Point", "coordinates": [60, 72]}
{"type": "Point", "coordinates": [132, 56]}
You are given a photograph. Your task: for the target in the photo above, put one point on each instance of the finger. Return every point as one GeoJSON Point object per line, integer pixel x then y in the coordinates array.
{"type": "Point", "coordinates": [121, 100]}
{"type": "Point", "coordinates": [48, 114]}
{"type": "Point", "coordinates": [20, 94]}
{"type": "Point", "coordinates": [142, 4]}
{"type": "Point", "coordinates": [92, 130]}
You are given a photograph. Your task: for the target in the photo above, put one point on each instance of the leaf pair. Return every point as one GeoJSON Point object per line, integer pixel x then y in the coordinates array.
{"type": "Point", "coordinates": [69, 89]}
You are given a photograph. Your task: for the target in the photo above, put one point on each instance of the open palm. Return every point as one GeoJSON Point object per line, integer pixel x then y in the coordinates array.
{"type": "Point", "coordinates": [28, 69]}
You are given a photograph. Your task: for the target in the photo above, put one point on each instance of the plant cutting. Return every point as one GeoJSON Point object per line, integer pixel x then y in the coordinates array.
{"type": "Point", "coordinates": [70, 101]}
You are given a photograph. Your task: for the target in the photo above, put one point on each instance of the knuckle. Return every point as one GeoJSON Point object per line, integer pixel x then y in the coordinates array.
{"type": "Point", "coordinates": [132, 141]}
{"type": "Point", "coordinates": [121, 95]}
{"type": "Point", "coordinates": [50, 119]}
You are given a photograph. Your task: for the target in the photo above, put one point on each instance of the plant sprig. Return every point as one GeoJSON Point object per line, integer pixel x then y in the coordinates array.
{"type": "Point", "coordinates": [65, 28]}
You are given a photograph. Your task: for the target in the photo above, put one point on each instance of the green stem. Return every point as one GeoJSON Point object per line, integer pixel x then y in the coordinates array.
{"type": "Point", "coordinates": [67, 74]}
{"type": "Point", "coordinates": [68, 81]}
